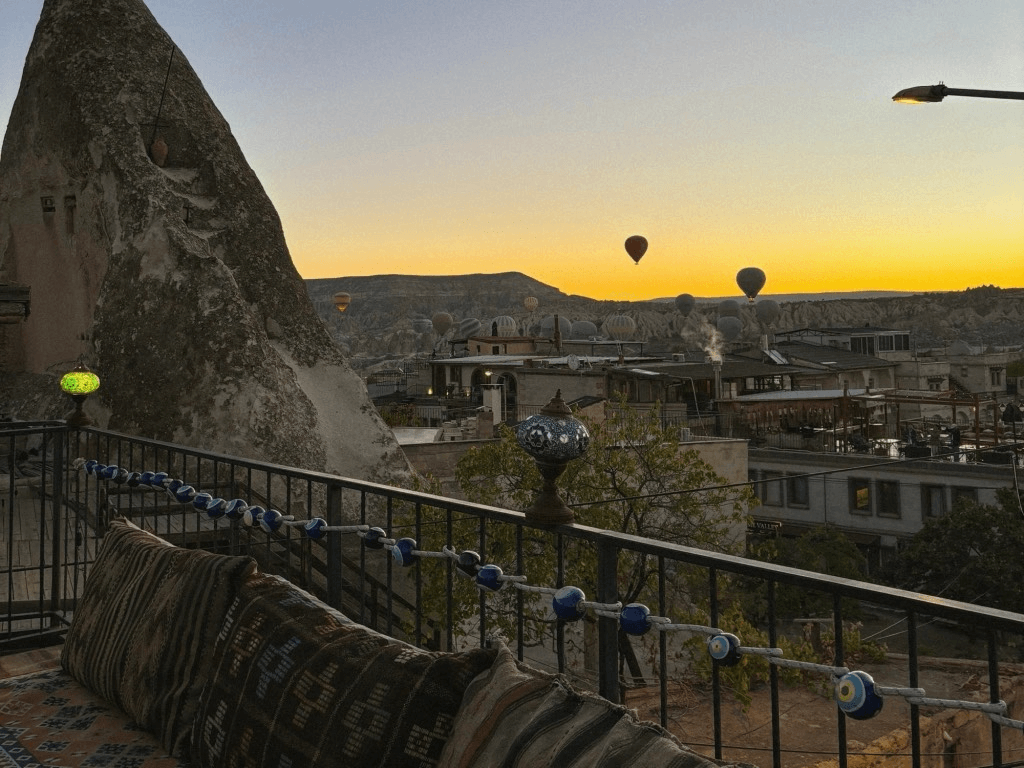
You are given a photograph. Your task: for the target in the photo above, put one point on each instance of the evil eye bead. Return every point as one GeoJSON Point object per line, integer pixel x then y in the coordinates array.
{"type": "Point", "coordinates": [146, 478]}
{"type": "Point", "coordinates": [108, 472]}
{"type": "Point", "coordinates": [316, 528]}
{"type": "Point", "coordinates": [725, 649]}
{"type": "Point", "coordinates": [159, 480]}
{"type": "Point", "coordinates": [134, 480]}
{"type": "Point", "coordinates": [856, 696]}
{"type": "Point", "coordinates": [634, 619]}
{"type": "Point", "coordinates": [172, 487]}
{"type": "Point", "coordinates": [372, 538]}
{"type": "Point", "coordinates": [121, 476]}
{"type": "Point", "coordinates": [215, 508]}
{"type": "Point", "coordinates": [184, 493]}
{"type": "Point", "coordinates": [488, 578]}
{"type": "Point", "coordinates": [235, 509]}
{"type": "Point", "coordinates": [252, 515]}
{"type": "Point", "coordinates": [468, 564]}
{"type": "Point", "coordinates": [90, 466]}
{"type": "Point", "coordinates": [201, 501]}
{"type": "Point", "coordinates": [271, 520]}
{"type": "Point", "coordinates": [567, 603]}
{"type": "Point", "coordinates": [402, 551]}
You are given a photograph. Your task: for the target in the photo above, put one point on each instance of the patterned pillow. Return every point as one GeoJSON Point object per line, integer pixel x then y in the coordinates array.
{"type": "Point", "coordinates": [516, 717]}
{"type": "Point", "coordinates": [143, 631]}
{"type": "Point", "coordinates": [298, 684]}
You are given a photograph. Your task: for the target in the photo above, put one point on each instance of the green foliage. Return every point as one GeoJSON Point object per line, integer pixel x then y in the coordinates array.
{"type": "Point", "coordinates": [972, 554]}
{"type": "Point", "coordinates": [824, 549]}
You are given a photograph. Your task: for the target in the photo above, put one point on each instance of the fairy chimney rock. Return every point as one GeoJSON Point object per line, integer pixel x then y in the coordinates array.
{"type": "Point", "coordinates": [152, 250]}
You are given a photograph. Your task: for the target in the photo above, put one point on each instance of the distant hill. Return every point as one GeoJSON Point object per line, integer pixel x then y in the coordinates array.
{"type": "Point", "coordinates": [378, 325]}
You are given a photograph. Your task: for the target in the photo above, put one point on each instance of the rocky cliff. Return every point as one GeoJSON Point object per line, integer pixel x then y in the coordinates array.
{"type": "Point", "coordinates": [153, 252]}
{"type": "Point", "coordinates": [379, 323]}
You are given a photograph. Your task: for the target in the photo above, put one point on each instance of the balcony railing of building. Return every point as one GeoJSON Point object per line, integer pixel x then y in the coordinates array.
{"type": "Point", "coordinates": [55, 509]}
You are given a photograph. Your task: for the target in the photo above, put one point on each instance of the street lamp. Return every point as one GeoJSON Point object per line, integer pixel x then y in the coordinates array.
{"type": "Point", "coordinates": [78, 384]}
{"type": "Point", "coordinates": [927, 94]}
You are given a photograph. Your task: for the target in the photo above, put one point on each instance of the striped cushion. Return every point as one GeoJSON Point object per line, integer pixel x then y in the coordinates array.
{"type": "Point", "coordinates": [298, 684]}
{"type": "Point", "coordinates": [516, 717]}
{"type": "Point", "coordinates": [144, 628]}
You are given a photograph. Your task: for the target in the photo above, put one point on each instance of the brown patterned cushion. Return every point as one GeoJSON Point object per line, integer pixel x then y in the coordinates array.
{"type": "Point", "coordinates": [47, 718]}
{"type": "Point", "coordinates": [298, 684]}
{"type": "Point", "coordinates": [143, 631]}
{"type": "Point", "coordinates": [516, 717]}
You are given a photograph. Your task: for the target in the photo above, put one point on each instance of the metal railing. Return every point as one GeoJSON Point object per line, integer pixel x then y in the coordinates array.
{"type": "Point", "coordinates": [689, 592]}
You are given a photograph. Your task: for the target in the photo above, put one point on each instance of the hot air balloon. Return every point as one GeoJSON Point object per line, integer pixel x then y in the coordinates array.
{"type": "Point", "coordinates": [730, 327]}
{"type": "Point", "coordinates": [547, 326]}
{"type": "Point", "coordinates": [767, 311]}
{"type": "Point", "coordinates": [636, 247]}
{"type": "Point", "coordinates": [531, 303]}
{"type": "Point", "coordinates": [751, 281]}
{"type": "Point", "coordinates": [583, 329]}
{"type": "Point", "coordinates": [442, 321]}
{"type": "Point", "coordinates": [620, 327]}
{"type": "Point", "coordinates": [729, 308]}
{"type": "Point", "coordinates": [468, 326]}
{"type": "Point", "coordinates": [422, 325]}
{"type": "Point", "coordinates": [504, 326]}
{"type": "Point", "coordinates": [685, 303]}
{"type": "Point", "coordinates": [342, 300]}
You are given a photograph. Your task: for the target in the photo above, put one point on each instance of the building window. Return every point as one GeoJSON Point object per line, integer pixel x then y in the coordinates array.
{"type": "Point", "coordinates": [863, 344]}
{"type": "Point", "coordinates": [970, 494]}
{"type": "Point", "coordinates": [771, 489]}
{"type": "Point", "coordinates": [902, 342]}
{"type": "Point", "coordinates": [797, 491]}
{"type": "Point", "coordinates": [888, 498]}
{"type": "Point", "coordinates": [860, 495]}
{"type": "Point", "coordinates": [933, 501]}
{"type": "Point", "coordinates": [996, 376]}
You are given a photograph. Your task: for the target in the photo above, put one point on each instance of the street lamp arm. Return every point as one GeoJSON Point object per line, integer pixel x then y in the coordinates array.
{"type": "Point", "coordinates": [925, 94]}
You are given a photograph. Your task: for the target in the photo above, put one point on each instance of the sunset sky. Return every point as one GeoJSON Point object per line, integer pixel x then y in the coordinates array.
{"type": "Point", "coordinates": [455, 137]}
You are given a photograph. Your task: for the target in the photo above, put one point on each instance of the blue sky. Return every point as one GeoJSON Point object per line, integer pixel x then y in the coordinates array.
{"type": "Point", "coordinates": [460, 137]}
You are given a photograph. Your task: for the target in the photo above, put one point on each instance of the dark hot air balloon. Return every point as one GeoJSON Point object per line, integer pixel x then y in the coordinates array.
{"type": "Point", "coordinates": [685, 303]}
{"type": "Point", "coordinates": [730, 327]}
{"type": "Point", "coordinates": [767, 311]}
{"type": "Point", "coordinates": [751, 281]}
{"type": "Point", "coordinates": [442, 321]}
{"type": "Point", "coordinates": [636, 247]}
{"type": "Point", "coordinates": [729, 308]}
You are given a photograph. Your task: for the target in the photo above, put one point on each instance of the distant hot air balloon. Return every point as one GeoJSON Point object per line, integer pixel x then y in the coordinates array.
{"type": "Point", "coordinates": [751, 281]}
{"type": "Point", "coordinates": [767, 311]}
{"type": "Point", "coordinates": [730, 327]}
{"type": "Point", "coordinates": [636, 247]}
{"type": "Point", "coordinates": [531, 303]}
{"type": "Point", "coordinates": [468, 326]}
{"type": "Point", "coordinates": [620, 327]}
{"type": "Point", "coordinates": [547, 326]}
{"type": "Point", "coordinates": [729, 308]}
{"type": "Point", "coordinates": [422, 325]}
{"type": "Point", "coordinates": [685, 303]}
{"type": "Point", "coordinates": [583, 329]}
{"type": "Point", "coordinates": [442, 321]}
{"type": "Point", "coordinates": [504, 326]}
{"type": "Point", "coordinates": [342, 300]}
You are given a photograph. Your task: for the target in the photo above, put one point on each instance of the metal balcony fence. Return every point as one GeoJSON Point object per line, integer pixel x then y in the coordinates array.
{"type": "Point", "coordinates": [432, 591]}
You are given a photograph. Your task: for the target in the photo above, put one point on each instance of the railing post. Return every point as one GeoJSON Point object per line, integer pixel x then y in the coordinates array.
{"type": "Point", "coordinates": [607, 629]}
{"type": "Point", "coordinates": [335, 590]}
{"type": "Point", "coordinates": [59, 477]}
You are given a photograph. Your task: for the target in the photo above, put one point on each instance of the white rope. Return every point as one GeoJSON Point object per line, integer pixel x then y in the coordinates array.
{"type": "Point", "coordinates": [538, 590]}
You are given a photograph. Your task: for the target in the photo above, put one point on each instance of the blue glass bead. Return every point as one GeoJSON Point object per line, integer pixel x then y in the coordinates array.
{"type": "Point", "coordinates": [857, 697]}
{"type": "Point", "coordinates": [184, 493]}
{"type": "Point", "coordinates": [566, 603]}
{"type": "Point", "coordinates": [252, 515]}
{"type": "Point", "coordinates": [172, 486]}
{"type": "Point", "coordinates": [108, 472]}
{"type": "Point", "coordinates": [725, 649]}
{"type": "Point", "coordinates": [402, 552]}
{"type": "Point", "coordinates": [134, 479]}
{"type": "Point", "coordinates": [633, 619]}
{"type": "Point", "coordinates": [316, 528]}
{"type": "Point", "coordinates": [271, 520]}
{"type": "Point", "coordinates": [146, 478]}
{"type": "Point", "coordinates": [468, 564]}
{"type": "Point", "coordinates": [201, 500]}
{"type": "Point", "coordinates": [372, 538]}
{"type": "Point", "coordinates": [235, 509]}
{"type": "Point", "coordinates": [121, 476]}
{"type": "Point", "coordinates": [90, 466]}
{"type": "Point", "coordinates": [159, 480]}
{"type": "Point", "coordinates": [215, 508]}
{"type": "Point", "coordinates": [488, 578]}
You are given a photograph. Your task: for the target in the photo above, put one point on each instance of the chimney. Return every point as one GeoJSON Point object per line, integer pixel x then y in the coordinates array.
{"type": "Point", "coordinates": [716, 391]}
{"type": "Point", "coordinates": [558, 335]}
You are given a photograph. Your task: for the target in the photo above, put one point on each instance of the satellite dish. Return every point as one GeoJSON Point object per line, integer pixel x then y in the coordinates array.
{"type": "Point", "coordinates": [636, 247]}
{"type": "Point", "coordinates": [573, 362]}
{"type": "Point", "coordinates": [341, 301]}
{"type": "Point", "coordinates": [751, 281]}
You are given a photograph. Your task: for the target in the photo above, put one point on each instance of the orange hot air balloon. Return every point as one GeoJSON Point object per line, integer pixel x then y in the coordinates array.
{"type": "Point", "coordinates": [636, 247]}
{"type": "Point", "coordinates": [342, 300]}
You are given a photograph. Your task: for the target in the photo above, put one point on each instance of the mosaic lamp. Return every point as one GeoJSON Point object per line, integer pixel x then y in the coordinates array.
{"type": "Point", "coordinates": [79, 383]}
{"type": "Point", "coordinates": [553, 437]}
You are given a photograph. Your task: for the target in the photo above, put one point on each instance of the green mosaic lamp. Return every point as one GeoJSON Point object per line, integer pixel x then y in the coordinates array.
{"type": "Point", "coordinates": [79, 383]}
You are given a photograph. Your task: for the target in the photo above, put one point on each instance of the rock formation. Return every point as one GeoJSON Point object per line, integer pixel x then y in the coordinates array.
{"type": "Point", "coordinates": [153, 252]}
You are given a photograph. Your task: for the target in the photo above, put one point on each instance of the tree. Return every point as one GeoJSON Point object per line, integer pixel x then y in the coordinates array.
{"type": "Point", "coordinates": [635, 478]}
{"type": "Point", "coordinates": [972, 554]}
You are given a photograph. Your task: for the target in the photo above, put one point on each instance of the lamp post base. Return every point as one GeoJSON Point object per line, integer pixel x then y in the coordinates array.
{"type": "Point", "coordinates": [548, 508]}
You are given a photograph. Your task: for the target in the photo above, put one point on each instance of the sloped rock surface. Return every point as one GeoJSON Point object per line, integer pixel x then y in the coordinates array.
{"type": "Point", "coordinates": [169, 273]}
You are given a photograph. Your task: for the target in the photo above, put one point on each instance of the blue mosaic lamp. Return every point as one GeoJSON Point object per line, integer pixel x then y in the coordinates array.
{"type": "Point", "coordinates": [553, 437]}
